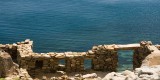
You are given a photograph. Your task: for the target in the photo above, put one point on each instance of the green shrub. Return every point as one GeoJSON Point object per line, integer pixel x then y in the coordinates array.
{"type": "Point", "coordinates": [2, 79]}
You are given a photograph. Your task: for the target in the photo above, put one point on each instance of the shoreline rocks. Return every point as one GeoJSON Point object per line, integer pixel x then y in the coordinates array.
{"type": "Point", "coordinates": [142, 73]}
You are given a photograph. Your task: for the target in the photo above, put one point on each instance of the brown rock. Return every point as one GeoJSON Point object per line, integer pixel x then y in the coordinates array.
{"type": "Point", "coordinates": [7, 65]}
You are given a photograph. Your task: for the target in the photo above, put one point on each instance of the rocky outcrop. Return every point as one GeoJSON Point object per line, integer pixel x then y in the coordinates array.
{"type": "Point", "coordinates": [21, 74]}
{"type": "Point", "coordinates": [153, 58]}
{"type": "Point", "coordinates": [143, 73]}
{"type": "Point", "coordinates": [8, 67]}
{"type": "Point", "coordinates": [92, 76]}
{"type": "Point", "coordinates": [10, 70]}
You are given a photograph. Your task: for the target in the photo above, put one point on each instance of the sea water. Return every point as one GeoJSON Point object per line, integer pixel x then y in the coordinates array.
{"type": "Point", "coordinates": [77, 25]}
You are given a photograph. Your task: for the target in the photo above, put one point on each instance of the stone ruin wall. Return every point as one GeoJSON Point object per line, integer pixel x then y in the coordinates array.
{"type": "Point", "coordinates": [11, 49]}
{"type": "Point", "coordinates": [141, 53]}
{"type": "Point", "coordinates": [103, 58]}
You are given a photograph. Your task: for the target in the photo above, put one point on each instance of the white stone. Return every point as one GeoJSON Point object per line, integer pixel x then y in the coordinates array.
{"type": "Point", "coordinates": [93, 75]}
{"type": "Point", "coordinates": [109, 76]}
{"type": "Point", "coordinates": [129, 74]}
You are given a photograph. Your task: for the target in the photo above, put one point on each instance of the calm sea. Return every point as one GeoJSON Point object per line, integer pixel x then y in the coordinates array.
{"type": "Point", "coordinates": [77, 25]}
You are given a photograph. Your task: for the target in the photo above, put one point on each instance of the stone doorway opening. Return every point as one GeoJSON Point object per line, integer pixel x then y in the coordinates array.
{"type": "Point", "coordinates": [61, 64]}
{"type": "Point", "coordinates": [125, 60]}
{"type": "Point", "coordinates": [39, 64]}
{"type": "Point", "coordinates": [88, 64]}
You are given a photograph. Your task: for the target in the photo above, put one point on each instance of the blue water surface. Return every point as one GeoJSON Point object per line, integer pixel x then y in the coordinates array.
{"type": "Point", "coordinates": [77, 25]}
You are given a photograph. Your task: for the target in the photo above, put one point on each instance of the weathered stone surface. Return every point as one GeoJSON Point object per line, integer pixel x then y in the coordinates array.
{"type": "Point", "coordinates": [75, 63]}
{"type": "Point", "coordinates": [140, 54]}
{"type": "Point", "coordinates": [105, 59]}
{"type": "Point", "coordinates": [143, 73]}
{"type": "Point", "coordinates": [7, 65]}
{"type": "Point", "coordinates": [130, 75]}
{"type": "Point", "coordinates": [93, 75]}
{"type": "Point", "coordinates": [153, 58]}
